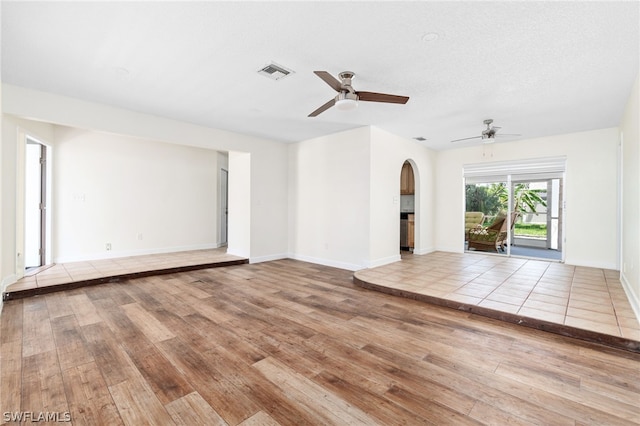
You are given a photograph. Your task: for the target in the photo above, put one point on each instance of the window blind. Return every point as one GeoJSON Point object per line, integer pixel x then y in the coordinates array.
{"type": "Point", "coordinates": [531, 169]}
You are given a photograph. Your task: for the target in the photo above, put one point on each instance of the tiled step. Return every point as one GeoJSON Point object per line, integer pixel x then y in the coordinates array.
{"type": "Point", "coordinates": [31, 286]}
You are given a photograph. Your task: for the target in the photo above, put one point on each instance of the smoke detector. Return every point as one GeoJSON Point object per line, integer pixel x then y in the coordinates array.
{"type": "Point", "coordinates": [275, 71]}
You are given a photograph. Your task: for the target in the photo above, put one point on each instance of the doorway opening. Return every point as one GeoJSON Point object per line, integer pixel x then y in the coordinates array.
{"type": "Point", "coordinates": [407, 208]}
{"type": "Point", "coordinates": [36, 196]}
{"type": "Point", "coordinates": [224, 206]}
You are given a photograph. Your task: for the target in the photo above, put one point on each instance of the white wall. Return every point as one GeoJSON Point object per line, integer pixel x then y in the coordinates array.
{"type": "Point", "coordinates": [630, 133]}
{"type": "Point", "coordinates": [2, 243]}
{"type": "Point", "coordinates": [240, 204]}
{"type": "Point", "coordinates": [388, 153]}
{"type": "Point", "coordinates": [329, 199]}
{"type": "Point", "coordinates": [12, 191]}
{"type": "Point", "coordinates": [590, 191]}
{"type": "Point", "coordinates": [269, 202]}
{"type": "Point", "coordinates": [140, 196]}
{"type": "Point", "coordinates": [267, 187]}
{"type": "Point", "coordinates": [345, 198]}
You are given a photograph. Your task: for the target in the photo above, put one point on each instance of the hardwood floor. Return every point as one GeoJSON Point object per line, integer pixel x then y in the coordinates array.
{"type": "Point", "coordinates": [293, 343]}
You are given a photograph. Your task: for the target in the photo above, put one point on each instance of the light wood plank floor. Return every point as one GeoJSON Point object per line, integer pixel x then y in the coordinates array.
{"type": "Point", "coordinates": [292, 343]}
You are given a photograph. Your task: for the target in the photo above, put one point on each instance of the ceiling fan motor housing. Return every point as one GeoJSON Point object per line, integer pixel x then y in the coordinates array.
{"type": "Point", "coordinates": [489, 132]}
{"type": "Point", "coordinates": [346, 77]}
{"type": "Point", "coordinates": [344, 95]}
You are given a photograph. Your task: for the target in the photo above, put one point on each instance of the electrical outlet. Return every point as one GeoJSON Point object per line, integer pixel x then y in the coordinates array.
{"type": "Point", "coordinates": [139, 236]}
{"type": "Point", "coordinates": [108, 246]}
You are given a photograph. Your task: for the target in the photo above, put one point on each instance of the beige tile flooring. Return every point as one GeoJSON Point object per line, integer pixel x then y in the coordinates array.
{"type": "Point", "coordinates": [585, 298]}
{"type": "Point", "coordinates": [64, 273]}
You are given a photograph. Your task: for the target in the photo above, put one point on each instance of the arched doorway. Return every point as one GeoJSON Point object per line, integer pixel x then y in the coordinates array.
{"type": "Point", "coordinates": [408, 184]}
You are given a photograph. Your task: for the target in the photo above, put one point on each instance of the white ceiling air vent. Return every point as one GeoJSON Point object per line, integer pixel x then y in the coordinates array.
{"type": "Point", "coordinates": [274, 71]}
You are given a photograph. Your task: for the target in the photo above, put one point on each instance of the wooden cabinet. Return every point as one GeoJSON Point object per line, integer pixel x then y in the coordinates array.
{"type": "Point", "coordinates": [407, 184]}
{"type": "Point", "coordinates": [411, 226]}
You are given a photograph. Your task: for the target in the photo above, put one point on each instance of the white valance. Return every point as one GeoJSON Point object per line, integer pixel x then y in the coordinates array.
{"type": "Point", "coordinates": [520, 170]}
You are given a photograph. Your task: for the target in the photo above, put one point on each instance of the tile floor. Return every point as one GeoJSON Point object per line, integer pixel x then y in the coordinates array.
{"type": "Point", "coordinates": [65, 273]}
{"type": "Point", "coordinates": [585, 298]}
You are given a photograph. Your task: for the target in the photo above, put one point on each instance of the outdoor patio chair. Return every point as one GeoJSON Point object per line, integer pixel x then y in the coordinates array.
{"type": "Point", "coordinates": [472, 220]}
{"type": "Point", "coordinates": [492, 237]}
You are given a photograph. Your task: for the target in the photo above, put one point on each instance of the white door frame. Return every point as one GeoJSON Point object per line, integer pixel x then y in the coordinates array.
{"type": "Point", "coordinates": [21, 163]}
{"type": "Point", "coordinates": [224, 206]}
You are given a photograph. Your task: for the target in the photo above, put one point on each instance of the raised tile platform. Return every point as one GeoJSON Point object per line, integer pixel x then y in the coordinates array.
{"type": "Point", "coordinates": [66, 276]}
{"type": "Point", "coordinates": [580, 302]}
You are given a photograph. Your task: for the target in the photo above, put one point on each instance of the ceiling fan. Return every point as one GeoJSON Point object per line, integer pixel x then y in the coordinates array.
{"type": "Point", "coordinates": [489, 134]}
{"type": "Point", "coordinates": [347, 97]}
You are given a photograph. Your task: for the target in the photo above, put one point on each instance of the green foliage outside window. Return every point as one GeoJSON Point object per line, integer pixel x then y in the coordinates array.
{"type": "Point", "coordinates": [493, 198]}
{"type": "Point", "coordinates": [480, 198]}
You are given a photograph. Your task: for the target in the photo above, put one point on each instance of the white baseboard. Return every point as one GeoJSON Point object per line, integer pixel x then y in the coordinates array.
{"type": "Point", "coordinates": [268, 258]}
{"type": "Point", "coordinates": [634, 299]}
{"type": "Point", "coordinates": [238, 253]}
{"type": "Point", "coordinates": [425, 250]}
{"type": "Point", "coordinates": [384, 261]}
{"type": "Point", "coordinates": [589, 264]}
{"type": "Point", "coordinates": [451, 249]}
{"type": "Point", "coordinates": [327, 262]}
{"type": "Point", "coordinates": [127, 253]}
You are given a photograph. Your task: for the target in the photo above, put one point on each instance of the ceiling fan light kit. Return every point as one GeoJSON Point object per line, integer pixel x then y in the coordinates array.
{"type": "Point", "coordinates": [346, 101]}
{"type": "Point", "coordinates": [347, 98]}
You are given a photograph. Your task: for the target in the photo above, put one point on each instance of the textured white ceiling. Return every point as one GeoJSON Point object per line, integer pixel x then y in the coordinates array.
{"type": "Point", "coordinates": [536, 68]}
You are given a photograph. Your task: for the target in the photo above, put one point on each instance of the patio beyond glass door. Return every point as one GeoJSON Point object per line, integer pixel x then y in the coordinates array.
{"type": "Point", "coordinates": [520, 204]}
{"type": "Point", "coordinates": [486, 216]}
{"type": "Point", "coordinates": [515, 216]}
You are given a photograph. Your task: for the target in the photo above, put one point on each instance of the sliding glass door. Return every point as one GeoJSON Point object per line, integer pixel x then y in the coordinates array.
{"type": "Point", "coordinates": [518, 212]}
{"type": "Point", "coordinates": [540, 221]}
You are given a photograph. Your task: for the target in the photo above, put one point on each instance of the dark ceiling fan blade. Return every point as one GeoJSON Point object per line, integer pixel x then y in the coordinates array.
{"type": "Point", "coordinates": [330, 80]}
{"type": "Point", "coordinates": [466, 139]}
{"type": "Point", "coordinates": [381, 97]}
{"type": "Point", "coordinates": [323, 108]}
